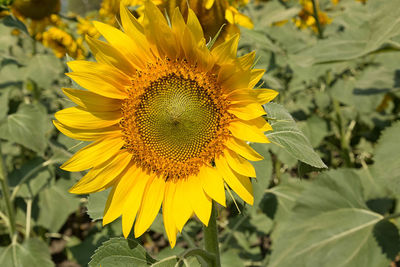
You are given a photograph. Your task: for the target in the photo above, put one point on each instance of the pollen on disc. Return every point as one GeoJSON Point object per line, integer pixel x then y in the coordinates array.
{"type": "Point", "coordinates": [174, 120]}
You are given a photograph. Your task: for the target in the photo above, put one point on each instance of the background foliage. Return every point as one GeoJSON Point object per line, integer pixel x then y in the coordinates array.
{"type": "Point", "coordinates": [326, 194]}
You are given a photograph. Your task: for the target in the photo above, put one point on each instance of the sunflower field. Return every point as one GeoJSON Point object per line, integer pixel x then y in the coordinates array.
{"type": "Point", "coordinates": [200, 133]}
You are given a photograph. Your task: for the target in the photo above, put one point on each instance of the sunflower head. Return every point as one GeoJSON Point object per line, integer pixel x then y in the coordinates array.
{"type": "Point", "coordinates": [36, 9]}
{"type": "Point", "coordinates": [168, 120]}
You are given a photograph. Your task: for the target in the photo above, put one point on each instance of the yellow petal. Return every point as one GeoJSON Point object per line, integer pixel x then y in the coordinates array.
{"type": "Point", "coordinates": [91, 101]}
{"type": "Point", "coordinates": [151, 203]}
{"type": "Point", "coordinates": [238, 18]}
{"type": "Point", "coordinates": [247, 111]}
{"type": "Point", "coordinates": [183, 209]}
{"type": "Point", "coordinates": [77, 117]}
{"type": "Point", "coordinates": [244, 131]}
{"type": "Point", "coordinates": [135, 31]}
{"type": "Point", "coordinates": [87, 134]}
{"type": "Point", "coordinates": [247, 60]}
{"type": "Point", "coordinates": [194, 26]}
{"type": "Point", "coordinates": [239, 164]}
{"type": "Point", "coordinates": [255, 76]}
{"type": "Point", "coordinates": [158, 33]}
{"type": "Point", "coordinates": [209, 3]}
{"type": "Point", "coordinates": [100, 177]}
{"type": "Point", "coordinates": [200, 202]}
{"type": "Point", "coordinates": [226, 52]}
{"type": "Point", "coordinates": [131, 25]}
{"type": "Point", "coordinates": [94, 154]}
{"type": "Point", "coordinates": [189, 46]}
{"type": "Point", "coordinates": [243, 149]}
{"type": "Point", "coordinates": [129, 179]}
{"type": "Point", "coordinates": [101, 69]}
{"type": "Point", "coordinates": [168, 211]}
{"type": "Point", "coordinates": [133, 201]}
{"type": "Point", "coordinates": [264, 95]}
{"type": "Point", "coordinates": [105, 53]}
{"type": "Point", "coordinates": [213, 184]}
{"type": "Point", "coordinates": [99, 85]}
{"type": "Point", "coordinates": [260, 123]}
{"type": "Point", "coordinates": [231, 77]}
{"type": "Point", "coordinates": [239, 183]}
{"type": "Point", "coordinates": [122, 43]}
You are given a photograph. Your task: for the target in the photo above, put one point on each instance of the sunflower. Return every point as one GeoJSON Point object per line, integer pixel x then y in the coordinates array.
{"type": "Point", "coordinates": [168, 120]}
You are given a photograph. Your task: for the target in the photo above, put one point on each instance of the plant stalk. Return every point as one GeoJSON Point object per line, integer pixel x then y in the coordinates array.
{"type": "Point", "coordinates": [6, 195]}
{"type": "Point", "coordinates": [211, 244]}
{"type": "Point", "coordinates": [315, 9]}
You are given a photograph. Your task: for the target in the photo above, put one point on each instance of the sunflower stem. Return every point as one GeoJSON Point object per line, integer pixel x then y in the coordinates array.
{"type": "Point", "coordinates": [6, 195]}
{"type": "Point", "coordinates": [211, 244]}
{"type": "Point", "coordinates": [315, 9]}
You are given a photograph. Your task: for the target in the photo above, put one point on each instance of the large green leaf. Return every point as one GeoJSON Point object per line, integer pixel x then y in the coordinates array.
{"type": "Point", "coordinates": [4, 93]}
{"type": "Point", "coordinates": [56, 204]}
{"type": "Point", "coordinates": [387, 160]}
{"type": "Point", "coordinates": [44, 69]}
{"type": "Point", "coordinates": [288, 136]}
{"type": "Point", "coordinates": [331, 225]}
{"type": "Point", "coordinates": [96, 204]}
{"type": "Point", "coordinates": [381, 24]}
{"type": "Point", "coordinates": [26, 127]}
{"type": "Point", "coordinates": [121, 252]}
{"type": "Point", "coordinates": [263, 172]}
{"type": "Point", "coordinates": [32, 253]}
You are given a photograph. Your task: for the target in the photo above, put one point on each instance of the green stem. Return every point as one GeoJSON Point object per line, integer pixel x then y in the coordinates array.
{"type": "Point", "coordinates": [392, 216]}
{"type": "Point", "coordinates": [211, 237]}
{"type": "Point", "coordinates": [6, 194]}
{"type": "Point", "coordinates": [344, 142]}
{"type": "Point", "coordinates": [28, 217]}
{"type": "Point", "coordinates": [200, 254]}
{"type": "Point", "coordinates": [315, 9]}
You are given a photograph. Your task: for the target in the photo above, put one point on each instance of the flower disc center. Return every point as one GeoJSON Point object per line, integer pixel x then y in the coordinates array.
{"type": "Point", "coordinates": [176, 118]}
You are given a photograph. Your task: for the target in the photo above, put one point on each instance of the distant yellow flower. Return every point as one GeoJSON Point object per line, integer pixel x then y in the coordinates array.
{"type": "Point", "coordinates": [306, 18]}
{"type": "Point", "coordinates": [61, 43]}
{"type": "Point", "coordinates": [85, 27]}
{"type": "Point", "coordinates": [168, 120]}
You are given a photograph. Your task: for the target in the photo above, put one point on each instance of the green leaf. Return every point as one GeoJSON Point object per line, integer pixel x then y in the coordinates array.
{"type": "Point", "coordinates": [121, 252]}
{"type": "Point", "coordinates": [167, 262]}
{"type": "Point", "coordinates": [4, 94]}
{"type": "Point", "coordinates": [26, 127]}
{"type": "Point", "coordinates": [32, 253]}
{"type": "Point", "coordinates": [331, 218]}
{"type": "Point", "coordinates": [263, 172]}
{"type": "Point", "coordinates": [287, 135]}
{"type": "Point", "coordinates": [381, 24]}
{"type": "Point", "coordinates": [96, 204]}
{"type": "Point", "coordinates": [56, 204]}
{"type": "Point", "coordinates": [285, 194]}
{"type": "Point", "coordinates": [35, 175]}
{"type": "Point", "coordinates": [387, 160]}
{"type": "Point", "coordinates": [44, 69]}
{"type": "Point", "coordinates": [315, 129]}
{"type": "Point", "coordinates": [12, 21]}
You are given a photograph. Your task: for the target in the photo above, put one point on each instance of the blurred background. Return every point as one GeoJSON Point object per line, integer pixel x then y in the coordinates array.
{"type": "Point", "coordinates": [336, 65]}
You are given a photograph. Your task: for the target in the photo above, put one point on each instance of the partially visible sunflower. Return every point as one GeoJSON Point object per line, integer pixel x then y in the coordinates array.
{"type": "Point", "coordinates": [306, 19]}
{"type": "Point", "coordinates": [36, 14]}
{"type": "Point", "coordinates": [168, 120]}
